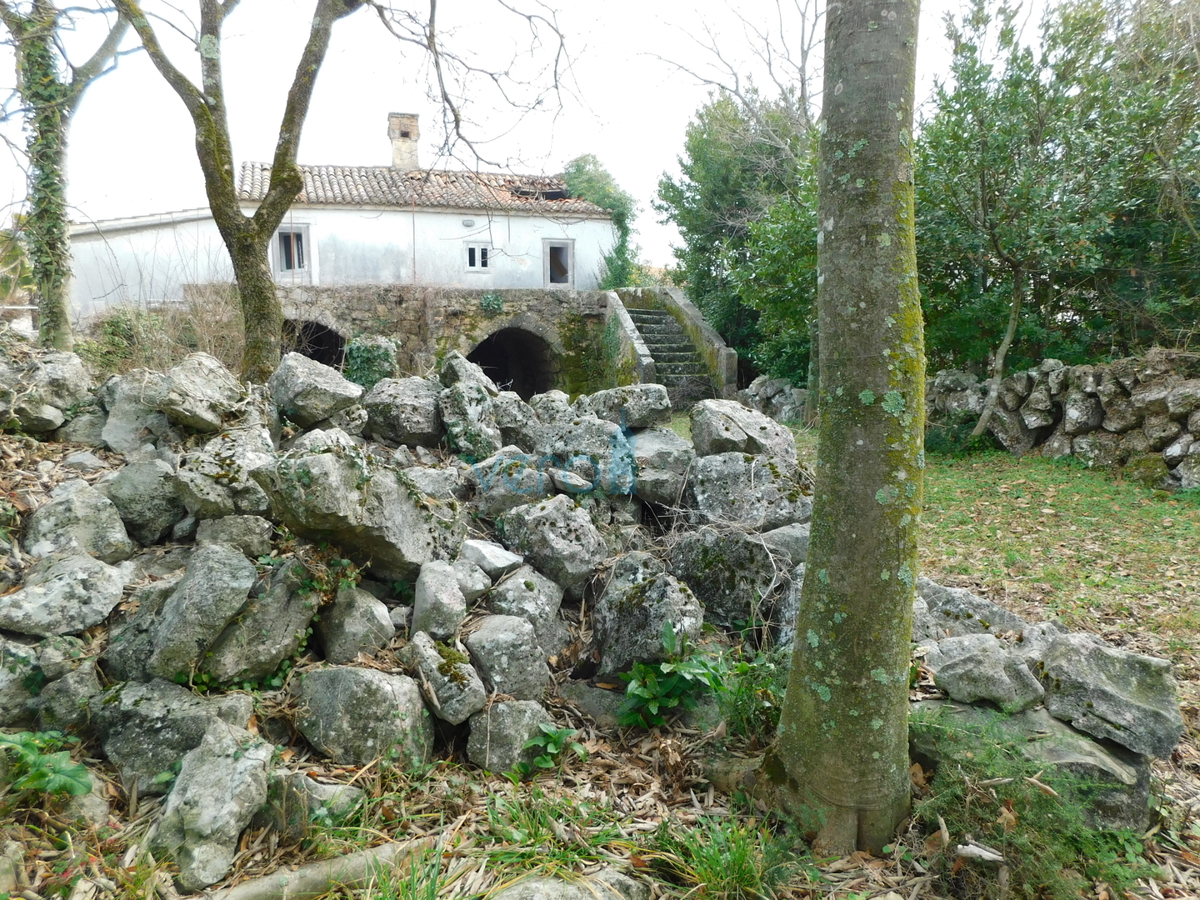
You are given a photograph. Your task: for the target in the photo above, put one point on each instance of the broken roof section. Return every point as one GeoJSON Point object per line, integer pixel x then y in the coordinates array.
{"type": "Point", "coordinates": [388, 187]}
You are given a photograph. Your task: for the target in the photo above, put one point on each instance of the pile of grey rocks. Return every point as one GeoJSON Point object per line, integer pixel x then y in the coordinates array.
{"type": "Point", "coordinates": [150, 594]}
{"type": "Point", "coordinates": [1142, 414]}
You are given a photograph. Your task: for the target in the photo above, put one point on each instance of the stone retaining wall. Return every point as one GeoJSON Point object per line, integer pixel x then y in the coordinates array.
{"type": "Point", "coordinates": [1141, 414]}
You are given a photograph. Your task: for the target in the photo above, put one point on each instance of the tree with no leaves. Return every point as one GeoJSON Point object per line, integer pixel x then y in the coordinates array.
{"type": "Point", "coordinates": [841, 759]}
{"type": "Point", "coordinates": [50, 89]}
{"type": "Point", "coordinates": [246, 237]}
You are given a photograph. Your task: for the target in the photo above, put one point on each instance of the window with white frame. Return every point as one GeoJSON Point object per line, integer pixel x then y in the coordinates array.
{"type": "Point", "coordinates": [558, 262]}
{"type": "Point", "coordinates": [291, 253]}
{"type": "Point", "coordinates": [479, 257]}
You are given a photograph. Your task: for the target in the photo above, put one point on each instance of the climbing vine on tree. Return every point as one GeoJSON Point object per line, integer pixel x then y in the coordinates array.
{"type": "Point", "coordinates": [50, 99]}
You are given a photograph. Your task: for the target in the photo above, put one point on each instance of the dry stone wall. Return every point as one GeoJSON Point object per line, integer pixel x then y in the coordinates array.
{"type": "Point", "coordinates": [1140, 414]}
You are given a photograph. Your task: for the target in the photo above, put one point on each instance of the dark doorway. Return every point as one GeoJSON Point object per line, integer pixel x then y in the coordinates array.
{"type": "Point", "coordinates": [314, 340]}
{"type": "Point", "coordinates": [517, 361]}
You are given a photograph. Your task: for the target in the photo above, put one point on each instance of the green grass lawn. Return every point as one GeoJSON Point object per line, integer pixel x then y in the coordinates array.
{"type": "Point", "coordinates": [1052, 539]}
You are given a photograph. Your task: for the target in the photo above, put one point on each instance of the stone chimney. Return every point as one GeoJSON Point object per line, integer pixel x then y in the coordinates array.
{"type": "Point", "coordinates": [404, 132]}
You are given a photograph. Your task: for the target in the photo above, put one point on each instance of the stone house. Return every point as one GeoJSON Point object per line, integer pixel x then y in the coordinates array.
{"type": "Point", "coordinates": [350, 225]}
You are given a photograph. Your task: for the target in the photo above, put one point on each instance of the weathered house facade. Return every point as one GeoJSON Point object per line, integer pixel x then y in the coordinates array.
{"type": "Point", "coordinates": [351, 225]}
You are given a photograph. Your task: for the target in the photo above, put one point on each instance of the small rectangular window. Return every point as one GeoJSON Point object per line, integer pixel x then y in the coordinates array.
{"type": "Point", "coordinates": [558, 262]}
{"type": "Point", "coordinates": [291, 251]}
{"type": "Point", "coordinates": [478, 257]}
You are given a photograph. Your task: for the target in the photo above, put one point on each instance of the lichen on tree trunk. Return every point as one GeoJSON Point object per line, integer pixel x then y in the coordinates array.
{"type": "Point", "coordinates": [841, 758]}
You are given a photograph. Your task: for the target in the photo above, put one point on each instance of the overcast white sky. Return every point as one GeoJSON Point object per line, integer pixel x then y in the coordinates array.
{"type": "Point", "coordinates": [131, 148]}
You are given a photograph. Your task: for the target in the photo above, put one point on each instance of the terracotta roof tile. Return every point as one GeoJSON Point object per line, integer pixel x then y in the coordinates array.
{"type": "Point", "coordinates": [385, 186]}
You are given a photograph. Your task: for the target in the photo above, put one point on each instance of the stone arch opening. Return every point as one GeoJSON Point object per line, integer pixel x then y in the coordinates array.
{"type": "Point", "coordinates": [314, 340]}
{"type": "Point", "coordinates": [517, 360]}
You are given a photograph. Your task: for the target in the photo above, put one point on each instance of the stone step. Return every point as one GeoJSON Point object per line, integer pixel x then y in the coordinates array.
{"type": "Point", "coordinates": [657, 347]}
{"type": "Point", "coordinates": [637, 314]}
{"type": "Point", "coordinates": [676, 356]}
{"type": "Point", "coordinates": [679, 369]}
{"type": "Point", "coordinates": [672, 329]}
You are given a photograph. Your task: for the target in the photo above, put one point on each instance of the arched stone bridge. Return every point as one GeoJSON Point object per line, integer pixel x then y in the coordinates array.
{"type": "Point", "coordinates": [528, 340]}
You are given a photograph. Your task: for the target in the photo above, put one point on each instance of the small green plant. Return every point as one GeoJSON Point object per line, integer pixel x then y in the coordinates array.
{"type": "Point", "coordinates": [9, 520]}
{"type": "Point", "coordinates": [419, 878]}
{"type": "Point", "coordinates": [491, 303]}
{"type": "Point", "coordinates": [751, 695]}
{"type": "Point", "coordinates": [555, 744]}
{"type": "Point", "coordinates": [39, 765]}
{"type": "Point", "coordinates": [654, 689]}
{"type": "Point", "coordinates": [722, 859]}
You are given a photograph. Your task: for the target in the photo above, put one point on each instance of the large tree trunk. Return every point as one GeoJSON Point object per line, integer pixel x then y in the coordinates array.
{"type": "Point", "coordinates": [1014, 318]}
{"type": "Point", "coordinates": [261, 310]}
{"type": "Point", "coordinates": [45, 225]}
{"type": "Point", "coordinates": [50, 101]}
{"type": "Point", "coordinates": [841, 758]}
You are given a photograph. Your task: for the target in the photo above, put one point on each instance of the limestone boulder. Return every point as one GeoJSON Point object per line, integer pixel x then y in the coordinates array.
{"type": "Point", "coordinates": [1112, 694]}
{"type": "Point", "coordinates": [270, 628]}
{"type": "Point", "coordinates": [640, 601]}
{"type": "Point", "coordinates": [1150, 397]}
{"type": "Point", "coordinates": [200, 392]}
{"type": "Point", "coordinates": [145, 728]}
{"type": "Point", "coordinates": [1081, 413]}
{"type": "Point", "coordinates": [133, 403]}
{"type": "Point", "coordinates": [1183, 398]}
{"type": "Point", "coordinates": [65, 593]}
{"type": "Point", "coordinates": [145, 496]}
{"type": "Point", "coordinates": [472, 580]}
{"type": "Point", "coordinates": [1160, 430]}
{"type": "Point", "coordinates": [508, 479]}
{"type": "Point", "coordinates": [469, 419]}
{"type": "Point", "coordinates": [508, 657]}
{"type": "Point", "coordinates": [405, 411]}
{"type": "Point", "coordinates": [663, 459]}
{"type": "Point", "coordinates": [631, 406]}
{"type": "Point", "coordinates": [19, 672]}
{"type": "Point", "coordinates": [216, 481]}
{"type": "Point", "coordinates": [62, 705]}
{"type": "Point", "coordinates": [1098, 449]}
{"type": "Point", "coordinates": [1114, 784]}
{"type": "Point", "coordinates": [726, 426]}
{"type": "Point", "coordinates": [131, 637]}
{"type": "Point", "coordinates": [221, 784]}
{"type": "Point", "coordinates": [558, 538]}
{"type": "Point", "coordinates": [975, 667]}
{"type": "Point", "coordinates": [307, 391]}
{"type": "Point", "coordinates": [212, 591]}
{"type": "Point", "coordinates": [451, 686]}
{"type": "Point", "coordinates": [754, 493]}
{"type": "Point", "coordinates": [553, 408]}
{"type": "Point", "coordinates": [40, 392]}
{"type": "Point", "coordinates": [532, 596]}
{"type": "Point", "coordinates": [736, 576]}
{"type": "Point", "coordinates": [950, 612]}
{"type": "Point", "coordinates": [457, 369]}
{"type": "Point", "coordinates": [518, 423]}
{"type": "Point", "coordinates": [597, 451]}
{"type": "Point", "coordinates": [78, 517]}
{"type": "Point", "coordinates": [439, 606]}
{"type": "Point", "coordinates": [1188, 471]}
{"type": "Point", "coordinates": [500, 733]}
{"type": "Point", "coordinates": [249, 534]}
{"type": "Point", "coordinates": [491, 557]}
{"type": "Point", "coordinates": [354, 623]}
{"type": "Point", "coordinates": [1038, 409]}
{"type": "Point", "coordinates": [1009, 429]}
{"type": "Point", "coordinates": [365, 506]}
{"type": "Point", "coordinates": [1177, 451]}
{"type": "Point", "coordinates": [607, 884]}
{"type": "Point", "coordinates": [355, 715]}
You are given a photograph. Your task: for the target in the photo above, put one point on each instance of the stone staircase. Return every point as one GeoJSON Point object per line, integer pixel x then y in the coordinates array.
{"type": "Point", "coordinates": [677, 364]}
